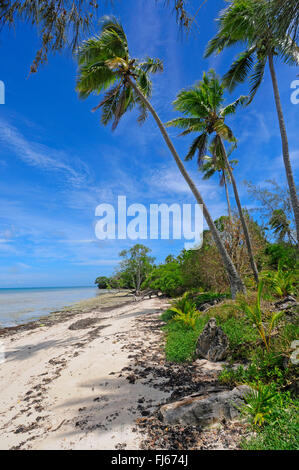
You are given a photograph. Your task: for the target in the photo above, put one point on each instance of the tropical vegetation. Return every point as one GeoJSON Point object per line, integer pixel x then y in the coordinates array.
{"type": "Point", "coordinates": [248, 262]}
{"type": "Point", "coordinates": [237, 251]}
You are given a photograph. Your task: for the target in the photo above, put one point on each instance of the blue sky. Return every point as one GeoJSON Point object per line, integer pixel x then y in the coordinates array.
{"type": "Point", "coordinates": [57, 163]}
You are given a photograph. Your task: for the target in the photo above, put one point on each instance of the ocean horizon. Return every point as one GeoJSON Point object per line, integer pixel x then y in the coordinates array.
{"type": "Point", "coordinates": [23, 304]}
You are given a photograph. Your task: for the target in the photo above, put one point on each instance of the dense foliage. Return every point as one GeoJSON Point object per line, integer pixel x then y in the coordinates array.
{"type": "Point", "coordinates": [236, 249]}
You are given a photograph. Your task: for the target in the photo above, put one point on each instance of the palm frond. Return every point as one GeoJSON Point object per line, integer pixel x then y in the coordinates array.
{"type": "Point", "coordinates": [232, 107]}
{"type": "Point", "coordinates": [144, 83]}
{"type": "Point", "coordinates": [257, 77]}
{"type": "Point", "coordinates": [199, 145]}
{"type": "Point", "coordinates": [94, 78]}
{"type": "Point", "coordinates": [207, 174]}
{"type": "Point", "coordinates": [109, 105]}
{"type": "Point", "coordinates": [218, 43]}
{"type": "Point", "coordinates": [288, 51]}
{"type": "Point", "coordinates": [189, 124]}
{"type": "Point", "coordinates": [90, 51]}
{"type": "Point", "coordinates": [110, 94]}
{"type": "Point", "coordinates": [239, 70]}
{"type": "Point", "coordinates": [151, 65]}
{"type": "Point", "coordinates": [193, 102]}
{"type": "Point", "coordinates": [113, 37]}
{"type": "Point", "coordinates": [104, 60]}
{"type": "Point", "coordinates": [120, 108]}
{"type": "Point", "coordinates": [224, 131]}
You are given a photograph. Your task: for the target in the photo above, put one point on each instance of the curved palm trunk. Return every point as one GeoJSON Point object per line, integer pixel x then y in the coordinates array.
{"type": "Point", "coordinates": [242, 218]}
{"type": "Point", "coordinates": [236, 283]}
{"type": "Point", "coordinates": [227, 199]}
{"type": "Point", "coordinates": [285, 147]}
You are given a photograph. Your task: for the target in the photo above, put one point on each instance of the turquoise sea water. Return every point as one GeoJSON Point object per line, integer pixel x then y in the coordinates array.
{"type": "Point", "coordinates": [22, 305]}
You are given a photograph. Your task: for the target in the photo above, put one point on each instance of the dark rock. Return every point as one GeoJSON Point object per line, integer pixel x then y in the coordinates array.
{"type": "Point", "coordinates": [289, 304]}
{"type": "Point", "coordinates": [205, 411]}
{"type": "Point", "coordinates": [288, 299]}
{"type": "Point", "coordinates": [213, 343]}
{"type": "Point", "coordinates": [204, 307]}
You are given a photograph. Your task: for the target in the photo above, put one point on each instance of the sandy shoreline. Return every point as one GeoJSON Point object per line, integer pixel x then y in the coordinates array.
{"type": "Point", "coordinates": [62, 385]}
{"type": "Point", "coordinates": [103, 302]}
{"type": "Point", "coordinates": [95, 379]}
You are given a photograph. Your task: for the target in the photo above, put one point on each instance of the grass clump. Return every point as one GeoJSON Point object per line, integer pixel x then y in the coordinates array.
{"type": "Point", "coordinates": [181, 339]}
{"type": "Point", "coordinates": [279, 430]}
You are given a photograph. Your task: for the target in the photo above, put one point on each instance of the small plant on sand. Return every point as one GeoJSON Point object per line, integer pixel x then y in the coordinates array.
{"type": "Point", "coordinates": [255, 314]}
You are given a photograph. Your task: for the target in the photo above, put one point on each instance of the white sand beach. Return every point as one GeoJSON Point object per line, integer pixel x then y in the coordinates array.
{"type": "Point", "coordinates": [63, 388]}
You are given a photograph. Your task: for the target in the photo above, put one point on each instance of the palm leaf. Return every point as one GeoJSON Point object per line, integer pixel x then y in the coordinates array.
{"type": "Point", "coordinates": [257, 77]}
{"type": "Point", "coordinates": [200, 145]}
{"type": "Point", "coordinates": [113, 37]}
{"type": "Point", "coordinates": [144, 83]}
{"type": "Point", "coordinates": [239, 70]}
{"type": "Point", "coordinates": [288, 50]}
{"type": "Point", "coordinates": [110, 94]}
{"type": "Point", "coordinates": [151, 65]}
{"type": "Point", "coordinates": [120, 108]}
{"type": "Point", "coordinates": [189, 124]}
{"type": "Point", "coordinates": [224, 131]}
{"type": "Point", "coordinates": [232, 107]}
{"type": "Point", "coordinates": [109, 105]}
{"type": "Point", "coordinates": [218, 43]}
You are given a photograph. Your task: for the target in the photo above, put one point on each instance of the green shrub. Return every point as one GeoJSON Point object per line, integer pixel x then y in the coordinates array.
{"type": "Point", "coordinates": [166, 278]}
{"type": "Point", "coordinates": [183, 304]}
{"type": "Point", "coordinates": [259, 403]}
{"type": "Point", "coordinates": [280, 282]}
{"type": "Point", "coordinates": [188, 319]}
{"type": "Point", "coordinates": [242, 336]}
{"type": "Point", "coordinates": [282, 253]}
{"type": "Point", "coordinates": [281, 430]}
{"type": "Point", "coordinates": [179, 307]}
{"type": "Point", "coordinates": [264, 367]}
{"type": "Point", "coordinates": [207, 297]}
{"type": "Point", "coordinates": [167, 315]}
{"type": "Point", "coordinates": [255, 314]}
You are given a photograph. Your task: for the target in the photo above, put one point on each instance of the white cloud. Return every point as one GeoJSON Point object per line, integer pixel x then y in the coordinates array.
{"type": "Point", "coordinates": [42, 156]}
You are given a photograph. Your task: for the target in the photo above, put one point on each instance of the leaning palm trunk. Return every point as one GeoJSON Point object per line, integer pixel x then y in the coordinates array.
{"type": "Point", "coordinates": [227, 199]}
{"type": "Point", "coordinates": [285, 147]}
{"type": "Point", "coordinates": [242, 218]}
{"type": "Point", "coordinates": [236, 283]}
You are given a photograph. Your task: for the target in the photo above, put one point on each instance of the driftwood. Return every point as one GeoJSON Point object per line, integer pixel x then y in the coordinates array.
{"type": "Point", "coordinates": [147, 293]}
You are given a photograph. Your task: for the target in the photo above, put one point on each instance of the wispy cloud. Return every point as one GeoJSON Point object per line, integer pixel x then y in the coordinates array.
{"type": "Point", "coordinates": [42, 156]}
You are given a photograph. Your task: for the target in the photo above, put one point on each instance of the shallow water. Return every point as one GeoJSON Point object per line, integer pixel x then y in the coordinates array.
{"type": "Point", "coordinates": [22, 305]}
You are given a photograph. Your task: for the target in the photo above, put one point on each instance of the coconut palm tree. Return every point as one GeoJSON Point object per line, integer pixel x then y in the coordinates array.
{"type": "Point", "coordinates": [281, 226]}
{"type": "Point", "coordinates": [105, 64]}
{"type": "Point", "coordinates": [238, 24]}
{"type": "Point", "coordinates": [211, 165]}
{"type": "Point", "coordinates": [204, 114]}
